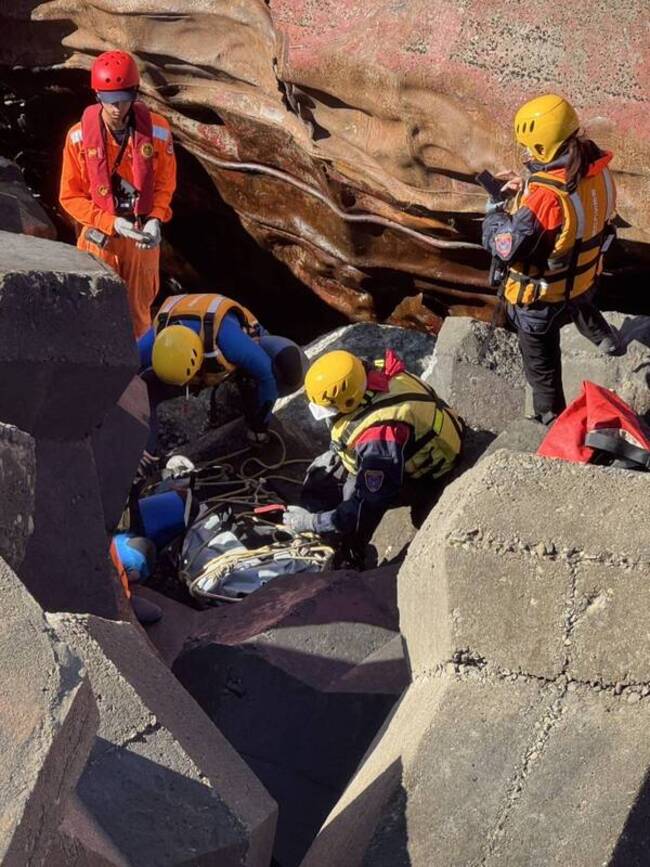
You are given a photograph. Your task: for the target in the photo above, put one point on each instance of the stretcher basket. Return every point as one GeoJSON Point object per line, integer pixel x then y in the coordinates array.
{"type": "Point", "coordinates": [225, 556]}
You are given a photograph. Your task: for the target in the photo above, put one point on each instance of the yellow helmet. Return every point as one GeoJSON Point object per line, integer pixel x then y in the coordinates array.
{"type": "Point", "coordinates": [337, 380]}
{"type": "Point", "coordinates": [177, 354]}
{"type": "Point", "coordinates": [543, 124]}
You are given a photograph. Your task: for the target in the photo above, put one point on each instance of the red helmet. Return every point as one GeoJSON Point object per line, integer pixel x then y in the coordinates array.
{"type": "Point", "coordinates": [114, 70]}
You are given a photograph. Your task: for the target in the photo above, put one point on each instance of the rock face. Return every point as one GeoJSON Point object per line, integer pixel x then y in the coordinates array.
{"type": "Point", "coordinates": [478, 371]}
{"type": "Point", "coordinates": [66, 356]}
{"type": "Point", "coordinates": [162, 783]}
{"type": "Point", "coordinates": [48, 721]}
{"type": "Point", "coordinates": [19, 210]}
{"type": "Point", "coordinates": [347, 140]}
{"type": "Point", "coordinates": [299, 677]}
{"type": "Point", "coordinates": [524, 612]}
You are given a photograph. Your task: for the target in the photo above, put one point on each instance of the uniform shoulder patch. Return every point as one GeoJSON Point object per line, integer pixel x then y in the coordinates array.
{"type": "Point", "coordinates": [374, 479]}
{"type": "Point", "coordinates": [503, 244]}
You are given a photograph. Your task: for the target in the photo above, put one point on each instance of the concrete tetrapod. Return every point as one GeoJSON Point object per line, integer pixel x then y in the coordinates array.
{"type": "Point", "coordinates": [48, 721]}
{"type": "Point", "coordinates": [118, 442]}
{"type": "Point", "coordinates": [17, 480]}
{"type": "Point", "coordinates": [628, 373]}
{"type": "Point", "coordinates": [162, 786]}
{"type": "Point", "coordinates": [299, 677]}
{"type": "Point", "coordinates": [66, 344]}
{"type": "Point", "coordinates": [524, 604]}
{"type": "Point", "coordinates": [67, 354]}
{"type": "Point", "coordinates": [478, 371]}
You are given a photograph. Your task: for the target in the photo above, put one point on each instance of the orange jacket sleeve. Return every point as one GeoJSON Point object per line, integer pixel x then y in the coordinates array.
{"type": "Point", "coordinates": [74, 192]}
{"type": "Point", "coordinates": [165, 171]}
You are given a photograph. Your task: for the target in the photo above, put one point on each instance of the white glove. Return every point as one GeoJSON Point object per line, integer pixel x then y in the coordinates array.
{"type": "Point", "coordinates": [177, 467]}
{"type": "Point", "coordinates": [298, 519]}
{"type": "Point", "coordinates": [125, 229]}
{"type": "Point", "coordinates": [152, 230]}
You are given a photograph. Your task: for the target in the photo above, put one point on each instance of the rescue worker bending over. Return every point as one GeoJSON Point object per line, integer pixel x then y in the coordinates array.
{"type": "Point", "coordinates": [118, 178]}
{"type": "Point", "coordinates": [198, 341]}
{"type": "Point", "coordinates": [552, 240]}
{"type": "Point", "coordinates": [387, 429]}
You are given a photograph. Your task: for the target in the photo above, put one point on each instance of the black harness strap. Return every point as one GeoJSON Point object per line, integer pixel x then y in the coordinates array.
{"type": "Point", "coordinates": [619, 447]}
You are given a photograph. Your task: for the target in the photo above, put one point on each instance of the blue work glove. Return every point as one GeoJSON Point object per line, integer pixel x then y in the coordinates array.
{"type": "Point", "coordinates": [299, 520]}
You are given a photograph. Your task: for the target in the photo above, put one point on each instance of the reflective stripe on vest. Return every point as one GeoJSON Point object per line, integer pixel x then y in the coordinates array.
{"type": "Point", "coordinates": [436, 432]}
{"type": "Point", "coordinates": [575, 262]}
{"type": "Point", "coordinates": [208, 310]}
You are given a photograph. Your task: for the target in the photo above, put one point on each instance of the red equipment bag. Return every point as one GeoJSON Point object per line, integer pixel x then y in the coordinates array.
{"type": "Point", "coordinates": [598, 427]}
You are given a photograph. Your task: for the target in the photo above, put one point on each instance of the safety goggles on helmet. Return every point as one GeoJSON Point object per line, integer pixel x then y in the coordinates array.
{"type": "Point", "coordinates": [112, 96]}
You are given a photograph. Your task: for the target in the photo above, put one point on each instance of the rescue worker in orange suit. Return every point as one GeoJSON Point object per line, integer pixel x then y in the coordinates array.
{"type": "Point", "coordinates": [118, 179]}
{"type": "Point", "coordinates": [390, 436]}
{"type": "Point", "coordinates": [197, 341]}
{"type": "Point", "coordinates": [549, 242]}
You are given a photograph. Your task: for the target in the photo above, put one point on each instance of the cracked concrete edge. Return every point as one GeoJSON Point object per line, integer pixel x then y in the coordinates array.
{"type": "Point", "coordinates": [543, 549]}
{"type": "Point", "coordinates": [523, 767]}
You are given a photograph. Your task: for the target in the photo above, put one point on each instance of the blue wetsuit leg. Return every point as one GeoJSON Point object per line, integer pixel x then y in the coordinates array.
{"type": "Point", "coordinates": [247, 355]}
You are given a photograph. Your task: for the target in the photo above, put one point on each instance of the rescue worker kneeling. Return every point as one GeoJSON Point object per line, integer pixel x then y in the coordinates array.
{"type": "Point", "coordinates": [198, 341]}
{"type": "Point", "coordinates": [388, 428]}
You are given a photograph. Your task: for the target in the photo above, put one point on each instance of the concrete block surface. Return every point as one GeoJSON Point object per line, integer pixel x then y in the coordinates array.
{"type": "Point", "coordinates": [118, 443]}
{"type": "Point", "coordinates": [626, 374]}
{"type": "Point", "coordinates": [162, 782]}
{"type": "Point", "coordinates": [67, 350]}
{"type": "Point", "coordinates": [501, 550]}
{"type": "Point", "coordinates": [48, 722]}
{"type": "Point", "coordinates": [66, 565]}
{"type": "Point", "coordinates": [478, 371]}
{"type": "Point", "coordinates": [17, 483]}
{"type": "Point", "coordinates": [299, 676]}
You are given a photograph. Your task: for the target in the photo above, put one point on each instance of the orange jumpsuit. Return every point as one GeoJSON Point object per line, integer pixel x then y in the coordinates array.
{"type": "Point", "coordinates": [138, 268]}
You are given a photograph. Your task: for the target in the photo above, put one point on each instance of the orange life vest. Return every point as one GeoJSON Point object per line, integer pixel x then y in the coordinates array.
{"type": "Point", "coordinates": [100, 173]}
{"type": "Point", "coordinates": [209, 310]}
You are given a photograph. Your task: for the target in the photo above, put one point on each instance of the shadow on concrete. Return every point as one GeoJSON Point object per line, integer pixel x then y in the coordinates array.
{"type": "Point", "coordinates": [634, 843]}
{"type": "Point", "coordinates": [635, 328]}
{"type": "Point", "coordinates": [372, 828]}
{"type": "Point", "coordinates": [123, 789]}
{"type": "Point", "coordinates": [303, 743]}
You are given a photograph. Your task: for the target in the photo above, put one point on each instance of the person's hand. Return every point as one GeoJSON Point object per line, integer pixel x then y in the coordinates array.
{"type": "Point", "coordinates": [298, 519]}
{"type": "Point", "coordinates": [125, 229]}
{"type": "Point", "coordinates": [514, 183]}
{"type": "Point", "coordinates": [152, 231]}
